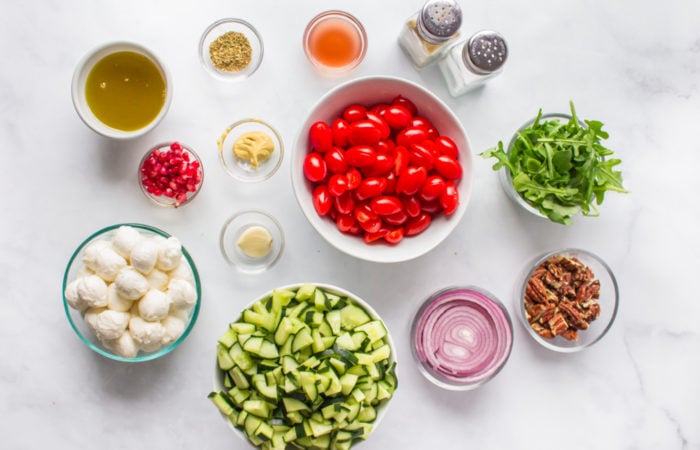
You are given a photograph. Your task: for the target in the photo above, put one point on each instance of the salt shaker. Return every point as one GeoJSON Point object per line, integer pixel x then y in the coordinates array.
{"type": "Point", "coordinates": [428, 33]}
{"type": "Point", "coordinates": [466, 66]}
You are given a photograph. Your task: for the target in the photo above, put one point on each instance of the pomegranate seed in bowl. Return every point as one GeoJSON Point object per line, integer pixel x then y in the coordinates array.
{"type": "Point", "coordinates": [171, 174]}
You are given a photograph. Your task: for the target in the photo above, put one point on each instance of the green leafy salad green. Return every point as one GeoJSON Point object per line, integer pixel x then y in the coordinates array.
{"type": "Point", "coordinates": [560, 168]}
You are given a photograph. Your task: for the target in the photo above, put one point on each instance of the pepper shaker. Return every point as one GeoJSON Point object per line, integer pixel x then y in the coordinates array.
{"type": "Point", "coordinates": [427, 34]}
{"type": "Point", "coordinates": [468, 66]}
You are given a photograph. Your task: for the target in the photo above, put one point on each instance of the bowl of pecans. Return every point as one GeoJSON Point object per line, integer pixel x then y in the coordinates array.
{"type": "Point", "coordinates": [568, 299]}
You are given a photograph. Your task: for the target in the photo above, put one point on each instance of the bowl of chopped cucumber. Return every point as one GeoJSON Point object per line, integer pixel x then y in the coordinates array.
{"type": "Point", "coordinates": [305, 366]}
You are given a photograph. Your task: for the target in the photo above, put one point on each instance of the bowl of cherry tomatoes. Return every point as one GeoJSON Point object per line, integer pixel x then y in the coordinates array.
{"type": "Point", "coordinates": [382, 169]}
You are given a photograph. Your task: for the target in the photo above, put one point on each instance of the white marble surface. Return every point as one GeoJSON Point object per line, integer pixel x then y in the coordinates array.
{"type": "Point", "coordinates": [635, 65]}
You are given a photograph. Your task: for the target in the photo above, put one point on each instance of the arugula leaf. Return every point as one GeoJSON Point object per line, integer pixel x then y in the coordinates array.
{"type": "Point", "coordinates": [560, 167]}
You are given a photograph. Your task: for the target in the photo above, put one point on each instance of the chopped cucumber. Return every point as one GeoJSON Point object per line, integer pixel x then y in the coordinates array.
{"type": "Point", "coordinates": [304, 368]}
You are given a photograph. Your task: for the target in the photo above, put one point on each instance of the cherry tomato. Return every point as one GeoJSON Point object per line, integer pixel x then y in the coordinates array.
{"type": "Point", "coordinates": [449, 200]}
{"type": "Point", "coordinates": [421, 122]}
{"type": "Point", "coordinates": [401, 158]}
{"type": "Point", "coordinates": [396, 219]}
{"type": "Point", "coordinates": [411, 135]}
{"type": "Point", "coordinates": [394, 236]}
{"type": "Point", "coordinates": [354, 178]}
{"type": "Point", "coordinates": [345, 203]}
{"type": "Point", "coordinates": [397, 116]}
{"type": "Point", "coordinates": [411, 205]}
{"type": "Point", "coordinates": [420, 155]}
{"type": "Point", "coordinates": [337, 185]}
{"type": "Point", "coordinates": [341, 132]}
{"type": "Point", "coordinates": [431, 207]}
{"type": "Point", "coordinates": [433, 188]}
{"type": "Point", "coordinates": [448, 167]}
{"type": "Point", "coordinates": [411, 180]}
{"type": "Point", "coordinates": [365, 132]}
{"type": "Point", "coordinates": [406, 103]}
{"type": "Point", "coordinates": [390, 183]}
{"type": "Point", "coordinates": [366, 218]}
{"type": "Point", "coordinates": [385, 205]}
{"type": "Point", "coordinates": [379, 108]}
{"type": "Point", "coordinates": [385, 146]}
{"type": "Point", "coordinates": [335, 160]}
{"type": "Point", "coordinates": [370, 187]}
{"type": "Point", "coordinates": [360, 155]}
{"type": "Point", "coordinates": [354, 112]}
{"type": "Point", "coordinates": [315, 167]}
{"type": "Point", "coordinates": [447, 147]}
{"type": "Point", "coordinates": [417, 224]}
{"type": "Point", "coordinates": [320, 136]}
{"type": "Point", "coordinates": [383, 165]}
{"type": "Point", "coordinates": [381, 123]}
{"type": "Point", "coordinates": [322, 200]}
{"type": "Point", "coordinates": [345, 223]}
{"type": "Point", "coordinates": [433, 133]}
{"type": "Point", "coordinates": [377, 235]}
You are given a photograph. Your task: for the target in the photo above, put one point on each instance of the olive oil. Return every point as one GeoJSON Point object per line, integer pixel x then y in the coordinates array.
{"type": "Point", "coordinates": [125, 90]}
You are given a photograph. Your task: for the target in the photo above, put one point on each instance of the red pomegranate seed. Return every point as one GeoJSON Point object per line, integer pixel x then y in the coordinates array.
{"type": "Point", "coordinates": [171, 172]}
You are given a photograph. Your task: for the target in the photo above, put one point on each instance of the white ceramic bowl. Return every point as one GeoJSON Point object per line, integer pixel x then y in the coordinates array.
{"type": "Point", "coordinates": [80, 77]}
{"type": "Point", "coordinates": [381, 408]}
{"type": "Point", "coordinates": [368, 91]}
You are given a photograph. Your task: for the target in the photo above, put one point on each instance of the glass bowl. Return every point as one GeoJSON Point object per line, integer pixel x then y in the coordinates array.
{"type": "Point", "coordinates": [185, 270]}
{"type": "Point", "coordinates": [233, 231]}
{"type": "Point", "coordinates": [243, 169]}
{"type": "Point", "coordinates": [159, 191]}
{"type": "Point", "coordinates": [335, 31]}
{"type": "Point", "coordinates": [505, 175]}
{"type": "Point", "coordinates": [219, 383]}
{"type": "Point", "coordinates": [220, 28]}
{"type": "Point", "coordinates": [461, 337]}
{"type": "Point", "coordinates": [608, 300]}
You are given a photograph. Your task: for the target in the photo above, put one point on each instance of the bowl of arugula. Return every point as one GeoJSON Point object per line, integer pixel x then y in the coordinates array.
{"type": "Point", "coordinates": [555, 166]}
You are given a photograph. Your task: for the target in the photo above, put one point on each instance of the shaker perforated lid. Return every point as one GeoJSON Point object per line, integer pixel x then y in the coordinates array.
{"type": "Point", "coordinates": [439, 20]}
{"type": "Point", "coordinates": [485, 52]}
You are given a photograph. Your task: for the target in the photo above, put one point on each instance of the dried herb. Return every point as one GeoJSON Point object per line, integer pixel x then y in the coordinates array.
{"type": "Point", "coordinates": [231, 52]}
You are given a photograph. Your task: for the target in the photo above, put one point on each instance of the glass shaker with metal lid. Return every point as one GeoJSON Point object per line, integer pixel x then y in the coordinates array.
{"type": "Point", "coordinates": [427, 34]}
{"type": "Point", "coordinates": [467, 66]}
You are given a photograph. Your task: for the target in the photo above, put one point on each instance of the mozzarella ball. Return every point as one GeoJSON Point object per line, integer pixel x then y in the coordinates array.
{"type": "Point", "coordinates": [108, 264]}
{"type": "Point", "coordinates": [158, 280]}
{"type": "Point", "coordinates": [144, 255]}
{"type": "Point", "coordinates": [110, 325]}
{"type": "Point", "coordinates": [124, 240]}
{"type": "Point", "coordinates": [147, 335]}
{"type": "Point", "coordinates": [174, 327]}
{"type": "Point", "coordinates": [92, 250]}
{"type": "Point", "coordinates": [73, 298]}
{"type": "Point", "coordinates": [84, 271]}
{"type": "Point", "coordinates": [182, 271]}
{"type": "Point", "coordinates": [154, 305]}
{"type": "Point", "coordinates": [182, 294]}
{"type": "Point", "coordinates": [90, 317]}
{"type": "Point", "coordinates": [124, 346]}
{"type": "Point", "coordinates": [169, 254]}
{"type": "Point", "coordinates": [115, 301]}
{"type": "Point", "coordinates": [92, 290]}
{"type": "Point", "coordinates": [130, 284]}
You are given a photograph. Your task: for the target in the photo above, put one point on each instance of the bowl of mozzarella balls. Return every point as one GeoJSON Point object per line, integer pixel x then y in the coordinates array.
{"type": "Point", "coordinates": [131, 292]}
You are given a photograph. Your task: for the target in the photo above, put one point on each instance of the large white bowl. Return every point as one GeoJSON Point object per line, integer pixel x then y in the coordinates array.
{"type": "Point", "coordinates": [368, 91]}
{"type": "Point", "coordinates": [218, 383]}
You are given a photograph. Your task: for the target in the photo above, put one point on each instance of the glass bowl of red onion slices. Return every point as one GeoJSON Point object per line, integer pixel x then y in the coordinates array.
{"type": "Point", "coordinates": [461, 337]}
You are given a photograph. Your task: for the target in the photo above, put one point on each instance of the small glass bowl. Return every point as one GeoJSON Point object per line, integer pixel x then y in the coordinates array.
{"type": "Point", "coordinates": [163, 199]}
{"type": "Point", "coordinates": [507, 179]}
{"type": "Point", "coordinates": [235, 226]}
{"type": "Point", "coordinates": [242, 169]}
{"type": "Point", "coordinates": [75, 318]}
{"type": "Point", "coordinates": [221, 27]}
{"type": "Point", "coordinates": [346, 24]}
{"type": "Point", "coordinates": [608, 301]}
{"type": "Point", "coordinates": [454, 323]}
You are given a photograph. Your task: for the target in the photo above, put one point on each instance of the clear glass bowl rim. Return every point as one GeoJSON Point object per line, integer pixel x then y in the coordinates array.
{"type": "Point", "coordinates": [153, 198]}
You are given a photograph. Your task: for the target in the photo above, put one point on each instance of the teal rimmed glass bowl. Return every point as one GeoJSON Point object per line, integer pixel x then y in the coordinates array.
{"type": "Point", "coordinates": [75, 316]}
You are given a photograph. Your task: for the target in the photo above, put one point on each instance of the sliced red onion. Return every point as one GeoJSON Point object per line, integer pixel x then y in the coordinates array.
{"type": "Point", "coordinates": [462, 336]}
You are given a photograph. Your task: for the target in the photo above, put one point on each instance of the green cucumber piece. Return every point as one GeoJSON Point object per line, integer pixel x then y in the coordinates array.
{"type": "Point", "coordinates": [352, 316]}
